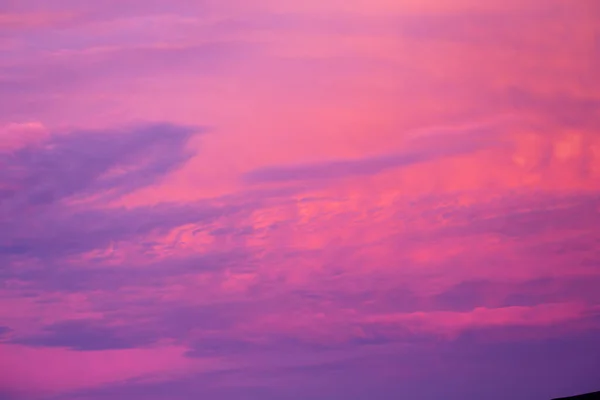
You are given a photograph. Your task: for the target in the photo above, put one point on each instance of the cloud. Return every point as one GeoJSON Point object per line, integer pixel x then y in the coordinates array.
{"type": "Point", "coordinates": [406, 371]}
{"type": "Point", "coordinates": [534, 216]}
{"type": "Point", "coordinates": [425, 149]}
{"type": "Point", "coordinates": [377, 262]}
{"type": "Point", "coordinates": [85, 275]}
{"type": "Point", "coordinates": [561, 109]}
{"type": "Point", "coordinates": [91, 163]}
{"type": "Point", "coordinates": [82, 335]}
{"type": "Point", "coordinates": [30, 21]}
{"type": "Point", "coordinates": [45, 181]}
{"type": "Point", "coordinates": [18, 135]}
{"type": "Point", "coordinates": [88, 68]}
{"type": "Point", "coordinates": [86, 11]}
{"type": "Point", "coordinates": [467, 295]}
{"type": "Point", "coordinates": [27, 374]}
{"type": "Point", "coordinates": [486, 27]}
{"type": "Point", "coordinates": [337, 310]}
{"type": "Point", "coordinates": [84, 230]}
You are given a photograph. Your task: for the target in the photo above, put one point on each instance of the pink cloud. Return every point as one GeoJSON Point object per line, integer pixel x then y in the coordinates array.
{"type": "Point", "coordinates": [17, 135]}
{"type": "Point", "coordinates": [451, 323]}
{"type": "Point", "coordinates": [32, 20]}
{"type": "Point", "coordinates": [34, 371]}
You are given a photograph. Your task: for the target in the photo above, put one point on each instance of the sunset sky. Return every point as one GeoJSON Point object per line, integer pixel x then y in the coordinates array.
{"type": "Point", "coordinates": [299, 199]}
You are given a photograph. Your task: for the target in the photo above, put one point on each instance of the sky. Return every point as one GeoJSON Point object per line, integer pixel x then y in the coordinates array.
{"type": "Point", "coordinates": [282, 199]}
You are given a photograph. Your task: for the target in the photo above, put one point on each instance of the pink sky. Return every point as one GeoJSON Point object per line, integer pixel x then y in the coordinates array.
{"type": "Point", "coordinates": [281, 199]}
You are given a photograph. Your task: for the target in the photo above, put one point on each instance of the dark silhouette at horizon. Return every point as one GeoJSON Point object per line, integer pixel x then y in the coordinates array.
{"type": "Point", "coordinates": [586, 396]}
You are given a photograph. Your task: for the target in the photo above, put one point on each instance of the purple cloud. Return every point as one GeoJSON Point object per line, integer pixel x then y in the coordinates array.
{"type": "Point", "coordinates": [575, 111]}
{"type": "Point", "coordinates": [83, 335]}
{"type": "Point", "coordinates": [86, 163]}
{"type": "Point", "coordinates": [39, 222]}
{"type": "Point", "coordinates": [397, 373]}
{"type": "Point", "coordinates": [468, 295]}
{"type": "Point", "coordinates": [467, 143]}
{"type": "Point", "coordinates": [518, 216]}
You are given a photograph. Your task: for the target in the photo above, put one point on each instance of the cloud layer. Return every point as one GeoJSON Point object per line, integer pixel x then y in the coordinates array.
{"type": "Point", "coordinates": [374, 198]}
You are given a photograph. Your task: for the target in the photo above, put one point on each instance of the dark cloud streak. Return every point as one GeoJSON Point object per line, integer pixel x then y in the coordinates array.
{"type": "Point", "coordinates": [339, 169]}
{"type": "Point", "coordinates": [86, 163]}
{"type": "Point", "coordinates": [84, 335]}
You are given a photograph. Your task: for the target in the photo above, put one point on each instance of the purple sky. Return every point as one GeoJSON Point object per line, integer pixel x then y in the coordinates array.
{"type": "Point", "coordinates": [283, 199]}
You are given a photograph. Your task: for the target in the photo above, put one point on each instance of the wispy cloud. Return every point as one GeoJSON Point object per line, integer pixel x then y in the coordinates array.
{"type": "Point", "coordinates": [439, 145]}
{"type": "Point", "coordinates": [90, 163]}
{"type": "Point", "coordinates": [81, 335]}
